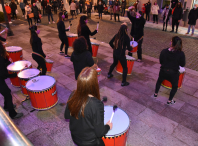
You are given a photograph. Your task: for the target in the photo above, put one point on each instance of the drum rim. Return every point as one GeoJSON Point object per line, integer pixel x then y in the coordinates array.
{"type": "Point", "coordinates": [72, 35]}
{"type": "Point", "coordinates": [30, 77]}
{"type": "Point", "coordinates": [41, 90]}
{"type": "Point", "coordinates": [19, 70]}
{"type": "Point", "coordinates": [124, 130]}
{"type": "Point", "coordinates": [51, 61]}
{"type": "Point", "coordinates": [93, 43]}
{"type": "Point", "coordinates": [14, 51]}
{"type": "Point", "coordinates": [136, 45]}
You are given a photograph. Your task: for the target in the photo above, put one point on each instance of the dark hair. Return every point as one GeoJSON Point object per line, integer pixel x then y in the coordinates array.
{"type": "Point", "coordinates": [2, 50]}
{"type": "Point", "coordinates": [140, 12]}
{"type": "Point", "coordinates": [33, 33]}
{"type": "Point", "coordinates": [81, 23]}
{"type": "Point", "coordinates": [87, 83]}
{"type": "Point", "coordinates": [119, 39]}
{"type": "Point", "coordinates": [80, 45]}
{"type": "Point", "coordinates": [177, 43]}
{"type": "Point", "coordinates": [60, 16]}
{"type": "Point", "coordinates": [180, 5]}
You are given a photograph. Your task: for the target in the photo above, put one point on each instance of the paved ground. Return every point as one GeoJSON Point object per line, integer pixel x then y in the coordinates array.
{"type": "Point", "coordinates": [153, 123]}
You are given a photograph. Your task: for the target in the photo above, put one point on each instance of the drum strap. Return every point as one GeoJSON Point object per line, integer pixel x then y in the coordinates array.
{"type": "Point", "coordinates": [138, 40]}
{"type": "Point", "coordinates": [38, 54]}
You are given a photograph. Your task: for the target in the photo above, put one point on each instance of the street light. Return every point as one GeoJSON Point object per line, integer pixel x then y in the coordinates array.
{"type": "Point", "coordinates": [10, 33]}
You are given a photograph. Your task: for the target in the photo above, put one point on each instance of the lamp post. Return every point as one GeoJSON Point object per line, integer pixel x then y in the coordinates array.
{"type": "Point", "coordinates": [10, 33]}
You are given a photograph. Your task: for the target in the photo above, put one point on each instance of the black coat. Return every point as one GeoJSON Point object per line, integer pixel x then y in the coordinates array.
{"type": "Point", "coordinates": [13, 6]}
{"type": "Point", "coordinates": [49, 9]}
{"type": "Point", "coordinates": [35, 11]}
{"type": "Point", "coordinates": [177, 14]}
{"type": "Point", "coordinates": [100, 8]}
{"type": "Point", "coordinates": [148, 7]}
{"type": "Point", "coordinates": [192, 16]}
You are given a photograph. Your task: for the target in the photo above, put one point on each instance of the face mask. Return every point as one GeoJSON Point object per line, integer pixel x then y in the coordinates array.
{"type": "Point", "coordinates": [34, 5]}
{"type": "Point", "coordinates": [38, 31]}
{"type": "Point", "coordinates": [63, 16]}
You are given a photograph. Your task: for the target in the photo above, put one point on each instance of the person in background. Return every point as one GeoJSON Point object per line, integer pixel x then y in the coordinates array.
{"type": "Point", "coordinates": [170, 59]}
{"type": "Point", "coordinates": [166, 14]}
{"type": "Point", "coordinates": [8, 12]}
{"type": "Point", "coordinates": [22, 6]}
{"type": "Point", "coordinates": [28, 10]}
{"type": "Point", "coordinates": [89, 9]}
{"type": "Point", "coordinates": [55, 5]}
{"type": "Point", "coordinates": [192, 18]}
{"type": "Point", "coordinates": [13, 7]}
{"type": "Point", "coordinates": [44, 5]}
{"type": "Point", "coordinates": [173, 3]}
{"type": "Point", "coordinates": [136, 5]}
{"type": "Point", "coordinates": [148, 10]}
{"type": "Point", "coordinates": [143, 10]}
{"type": "Point", "coordinates": [176, 16]}
{"type": "Point", "coordinates": [77, 7]}
{"type": "Point", "coordinates": [154, 11]}
{"type": "Point", "coordinates": [49, 12]}
{"type": "Point", "coordinates": [35, 11]}
{"type": "Point", "coordinates": [111, 11]}
{"type": "Point", "coordinates": [116, 11]}
{"type": "Point", "coordinates": [123, 7]}
{"type": "Point", "coordinates": [73, 9]}
{"type": "Point", "coordinates": [85, 111]}
{"type": "Point", "coordinates": [95, 8]}
{"type": "Point", "coordinates": [81, 5]}
{"type": "Point", "coordinates": [100, 9]}
{"type": "Point", "coordinates": [38, 4]}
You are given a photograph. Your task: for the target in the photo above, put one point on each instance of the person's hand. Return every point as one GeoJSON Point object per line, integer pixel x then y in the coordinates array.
{"type": "Point", "coordinates": [97, 29]}
{"type": "Point", "coordinates": [110, 124]}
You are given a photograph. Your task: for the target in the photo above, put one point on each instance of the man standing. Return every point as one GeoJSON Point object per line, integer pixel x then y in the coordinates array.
{"type": "Point", "coordinates": [148, 10]}
{"type": "Point", "coordinates": [13, 7]}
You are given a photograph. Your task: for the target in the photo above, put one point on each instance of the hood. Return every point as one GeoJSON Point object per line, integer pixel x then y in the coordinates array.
{"type": "Point", "coordinates": [79, 57]}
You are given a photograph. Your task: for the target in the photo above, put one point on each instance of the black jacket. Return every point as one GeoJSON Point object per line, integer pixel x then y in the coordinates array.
{"type": "Point", "coordinates": [61, 29]}
{"type": "Point", "coordinates": [55, 4]}
{"type": "Point", "coordinates": [177, 13]}
{"type": "Point", "coordinates": [49, 9]}
{"type": "Point", "coordinates": [193, 16]}
{"type": "Point", "coordinates": [148, 7]}
{"type": "Point", "coordinates": [35, 11]}
{"type": "Point", "coordinates": [81, 61]}
{"type": "Point", "coordinates": [13, 6]}
{"type": "Point", "coordinates": [37, 46]}
{"type": "Point", "coordinates": [137, 30]}
{"type": "Point", "coordinates": [100, 8]}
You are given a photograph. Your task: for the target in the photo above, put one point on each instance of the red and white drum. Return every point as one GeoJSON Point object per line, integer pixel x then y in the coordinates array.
{"type": "Point", "coordinates": [71, 39]}
{"type": "Point", "coordinates": [135, 48]}
{"type": "Point", "coordinates": [26, 75]}
{"type": "Point", "coordinates": [95, 47]}
{"type": "Point", "coordinates": [99, 71]}
{"type": "Point", "coordinates": [15, 53]}
{"type": "Point", "coordinates": [16, 67]}
{"type": "Point", "coordinates": [130, 63]}
{"type": "Point", "coordinates": [42, 92]}
{"type": "Point", "coordinates": [117, 136]}
{"type": "Point", "coordinates": [49, 64]}
{"type": "Point", "coordinates": [168, 84]}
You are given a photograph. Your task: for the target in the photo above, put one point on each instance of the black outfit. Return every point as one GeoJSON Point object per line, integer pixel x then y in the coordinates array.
{"type": "Point", "coordinates": [80, 5]}
{"type": "Point", "coordinates": [63, 36]}
{"type": "Point", "coordinates": [88, 130]}
{"type": "Point", "coordinates": [100, 10]}
{"type": "Point", "coordinates": [13, 7]}
{"type": "Point", "coordinates": [193, 16]}
{"type": "Point", "coordinates": [148, 10]}
{"type": "Point", "coordinates": [166, 18]}
{"type": "Point", "coordinates": [49, 12]}
{"type": "Point", "coordinates": [155, 18]}
{"type": "Point", "coordinates": [55, 5]}
{"type": "Point", "coordinates": [44, 4]}
{"type": "Point", "coordinates": [85, 32]}
{"type": "Point", "coordinates": [137, 32]}
{"type": "Point", "coordinates": [170, 62]}
{"type": "Point", "coordinates": [40, 59]}
{"type": "Point", "coordinates": [36, 14]}
{"type": "Point", "coordinates": [173, 3]}
{"type": "Point", "coordinates": [81, 61]}
{"type": "Point", "coordinates": [177, 15]}
{"type": "Point", "coordinates": [119, 55]}
{"type": "Point", "coordinates": [123, 7]}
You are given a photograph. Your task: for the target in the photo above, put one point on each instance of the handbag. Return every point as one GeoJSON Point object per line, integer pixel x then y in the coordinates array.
{"type": "Point", "coordinates": [31, 15]}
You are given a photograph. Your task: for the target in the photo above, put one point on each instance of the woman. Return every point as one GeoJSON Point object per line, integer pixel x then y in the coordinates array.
{"type": "Point", "coordinates": [27, 12]}
{"type": "Point", "coordinates": [116, 11]}
{"type": "Point", "coordinates": [73, 9]}
{"type": "Point", "coordinates": [86, 111]}
{"type": "Point", "coordinates": [120, 43]}
{"type": "Point", "coordinates": [62, 34]}
{"type": "Point", "coordinates": [166, 14]}
{"type": "Point", "coordinates": [35, 11]}
{"type": "Point", "coordinates": [83, 30]}
{"type": "Point", "coordinates": [81, 57]}
{"type": "Point", "coordinates": [100, 9]}
{"type": "Point", "coordinates": [22, 6]}
{"type": "Point", "coordinates": [37, 53]}
{"type": "Point", "coordinates": [170, 59]}
{"type": "Point", "coordinates": [154, 11]}
{"type": "Point", "coordinates": [4, 90]}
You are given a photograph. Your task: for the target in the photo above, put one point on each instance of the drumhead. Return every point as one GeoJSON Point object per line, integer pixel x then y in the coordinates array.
{"type": "Point", "coordinates": [13, 49]}
{"type": "Point", "coordinates": [95, 44]}
{"type": "Point", "coordinates": [129, 57]}
{"type": "Point", "coordinates": [72, 35]}
{"type": "Point", "coordinates": [181, 69]}
{"type": "Point", "coordinates": [134, 43]}
{"type": "Point", "coordinates": [49, 61]}
{"type": "Point", "coordinates": [28, 73]}
{"type": "Point", "coordinates": [18, 65]}
{"type": "Point", "coordinates": [40, 83]}
{"type": "Point", "coordinates": [120, 121]}
{"type": "Point", "coordinates": [98, 69]}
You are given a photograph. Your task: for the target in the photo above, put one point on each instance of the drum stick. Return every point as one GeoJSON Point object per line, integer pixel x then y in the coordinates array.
{"type": "Point", "coordinates": [133, 39]}
{"type": "Point", "coordinates": [2, 31]}
{"type": "Point", "coordinates": [114, 109]}
{"type": "Point", "coordinates": [97, 25]}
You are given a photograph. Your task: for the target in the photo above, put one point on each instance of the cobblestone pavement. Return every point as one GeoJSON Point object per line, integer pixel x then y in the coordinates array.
{"type": "Point", "coordinates": [153, 123]}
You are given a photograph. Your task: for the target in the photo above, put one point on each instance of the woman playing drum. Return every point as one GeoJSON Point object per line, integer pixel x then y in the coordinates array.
{"type": "Point", "coordinates": [170, 59]}
{"type": "Point", "coordinates": [86, 111]}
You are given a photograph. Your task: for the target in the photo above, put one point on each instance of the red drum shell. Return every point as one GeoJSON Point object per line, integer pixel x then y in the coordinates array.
{"type": "Point", "coordinates": [94, 49]}
{"type": "Point", "coordinates": [49, 64]}
{"type": "Point", "coordinates": [130, 63]}
{"type": "Point", "coordinates": [15, 55]}
{"type": "Point", "coordinates": [71, 39]}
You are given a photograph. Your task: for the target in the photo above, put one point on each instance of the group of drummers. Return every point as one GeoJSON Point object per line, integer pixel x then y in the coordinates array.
{"type": "Point", "coordinates": [84, 108]}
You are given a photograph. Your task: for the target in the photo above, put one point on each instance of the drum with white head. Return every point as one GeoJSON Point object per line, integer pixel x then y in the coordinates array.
{"type": "Point", "coordinates": [135, 46]}
{"type": "Point", "coordinates": [15, 53]}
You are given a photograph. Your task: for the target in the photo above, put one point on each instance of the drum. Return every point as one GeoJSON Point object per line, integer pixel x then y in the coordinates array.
{"type": "Point", "coordinates": [130, 62]}
{"type": "Point", "coordinates": [135, 48]}
{"type": "Point", "coordinates": [15, 53]}
{"type": "Point", "coordinates": [26, 75]}
{"type": "Point", "coordinates": [99, 71]}
{"type": "Point", "coordinates": [117, 136]}
{"type": "Point", "coordinates": [49, 64]}
{"type": "Point", "coordinates": [168, 84]}
{"type": "Point", "coordinates": [42, 92]}
{"type": "Point", "coordinates": [95, 47]}
{"type": "Point", "coordinates": [71, 39]}
{"type": "Point", "coordinates": [16, 67]}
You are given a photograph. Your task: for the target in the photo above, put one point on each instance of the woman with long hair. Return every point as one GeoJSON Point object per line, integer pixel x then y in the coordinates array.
{"type": "Point", "coordinates": [120, 42]}
{"type": "Point", "coordinates": [37, 54]}
{"type": "Point", "coordinates": [83, 30]}
{"type": "Point", "coordinates": [4, 90]}
{"type": "Point", "coordinates": [62, 33]}
{"type": "Point", "coordinates": [86, 111]}
{"type": "Point", "coordinates": [170, 59]}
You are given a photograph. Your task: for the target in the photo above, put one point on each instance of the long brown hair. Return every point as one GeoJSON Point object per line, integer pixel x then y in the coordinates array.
{"type": "Point", "coordinates": [87, 83]}
{"type": "Point", "coordinates": [2, 50]}
{"type": "Point", "coordinates": [81, 23]}
{"type": "Point", "coordinates": [177, 43]}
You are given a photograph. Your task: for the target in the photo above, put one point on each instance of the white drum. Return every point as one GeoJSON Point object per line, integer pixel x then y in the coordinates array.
{"type": "Point", "coordinates": [135, 46]}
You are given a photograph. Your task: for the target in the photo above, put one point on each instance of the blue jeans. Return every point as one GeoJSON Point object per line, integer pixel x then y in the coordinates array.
{"type": "Point", "coordinates": [51, 17]}
{"type": "Point", "coordinates": [100, 15]}
{"type": "Point", "coordinates": [193, 28]}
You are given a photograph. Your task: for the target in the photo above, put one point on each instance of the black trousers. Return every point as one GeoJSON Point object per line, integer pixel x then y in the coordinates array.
{"type": "Point", "coordinates": [80, 9]}
{"type": "Point", "coordinates": [139, 51]}
{"type": "Point", "coordinates": [55, 10]}
{"type": "Point", "coordinates": [123, 62]}
{"type": "Point", "coordinates": [175, 22]}
{"type": "Point", "coordinates": [165, 22]}
{"type": "Point", "coordinates": [43, 10]}
{"type": "Point", "coordinates": [8, 104]}
{"type": "Point", "coordinates": [36, 19]}
{"type": "Point", "coordinates": [41, 63]}
{"type": "Point", "coordinates": [64, 41]}
{"type": "Point", "coordinates": [14, 15]}
{"type": "Point", "coordinates": [171, 76]}
{"type": "Point", "coordinates": [155, 18]}
{"type": "Point", "coordinates": [148, 16]}
{"type": "Point", "coordinates": [115, 16]}
{"type": "Point", "coordinates": [23, 11]}
{"type": "Point", "coordinates": [29, 20]}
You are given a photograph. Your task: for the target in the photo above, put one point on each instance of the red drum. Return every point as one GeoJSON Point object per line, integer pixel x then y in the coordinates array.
{"type": "Point", "coordinates": [16, 67]}
{"type": "Point", "coordinates": [135, 48]}
{"type": "Point", "coordinates": [15, 53]}
{"type": "Point", "coordinates": [71, 39]}
{"type": "Point", "coordinates": [42, 92]}
{"type": "Point", "coordinates": [95, 47]}
{"type": "Point", "coordinates": [117, 136]}
{"type": "Point", "coordinates": [99, 71]}
{"type": "Point", "coordinates": [168, 84]}
{"type": "Point", "coordinates": [49, 64]}
{"type": "Point", "coordinates": [130, 62]}
{"type": "Point", "coordinates": [26, 75]}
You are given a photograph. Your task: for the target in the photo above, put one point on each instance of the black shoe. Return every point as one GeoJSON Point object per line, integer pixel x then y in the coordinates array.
{"type": "Point", "coordinates": [18, 116]}
{"type": "Point", "coordinates": [154, 95]}
{"type": "Point", "coordinates": [172, 102]}
{"type": "Point", "coordinates": [7, 109]}
{"type": "Point", "coordinates": [162, 29]}
{"type": "Point", "coordinates": [165, 29]}
{"type": "Point", "coordinates": [172, 31]}
{"type": "Point", "coordinates": [125, 84]}
{"type": "Point", "coordinates": [109, 76]}
{"type": "Point", "coordinates": [61, 52]}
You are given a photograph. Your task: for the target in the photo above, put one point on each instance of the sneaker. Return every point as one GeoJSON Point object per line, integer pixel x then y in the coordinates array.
{"type": "Point", "coordinates": [139, 60]}
{"type": "Point", "coordinates": [187, 33]}
{"type": "Point", "coordinates": [7, 109]}
{"type": "Point", "coordinates": [53, 22]}
{"type": "Point", "coordinates": [10, 22]}
{"type": "Point", "coordinates": [67, 56]}
{"type": "Point", "coordinates": [192, 34]}
{"type": "Point", "coordinates": [172, 102]}
{"type": "Point", "coordinates": [171, 31]}
{"type": "Point", "coordinates": [49, 22]}
{"type": "Point", "coordinates": [61, 52]}
{"type": "Point", "coordinates": [18, 116]}
{"type": "Point", "coordinates": [125, 84]}
{"type": "Point", "coordinates": [154, 95]}
{"type": "Point", "coordinates": [109, 76]}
